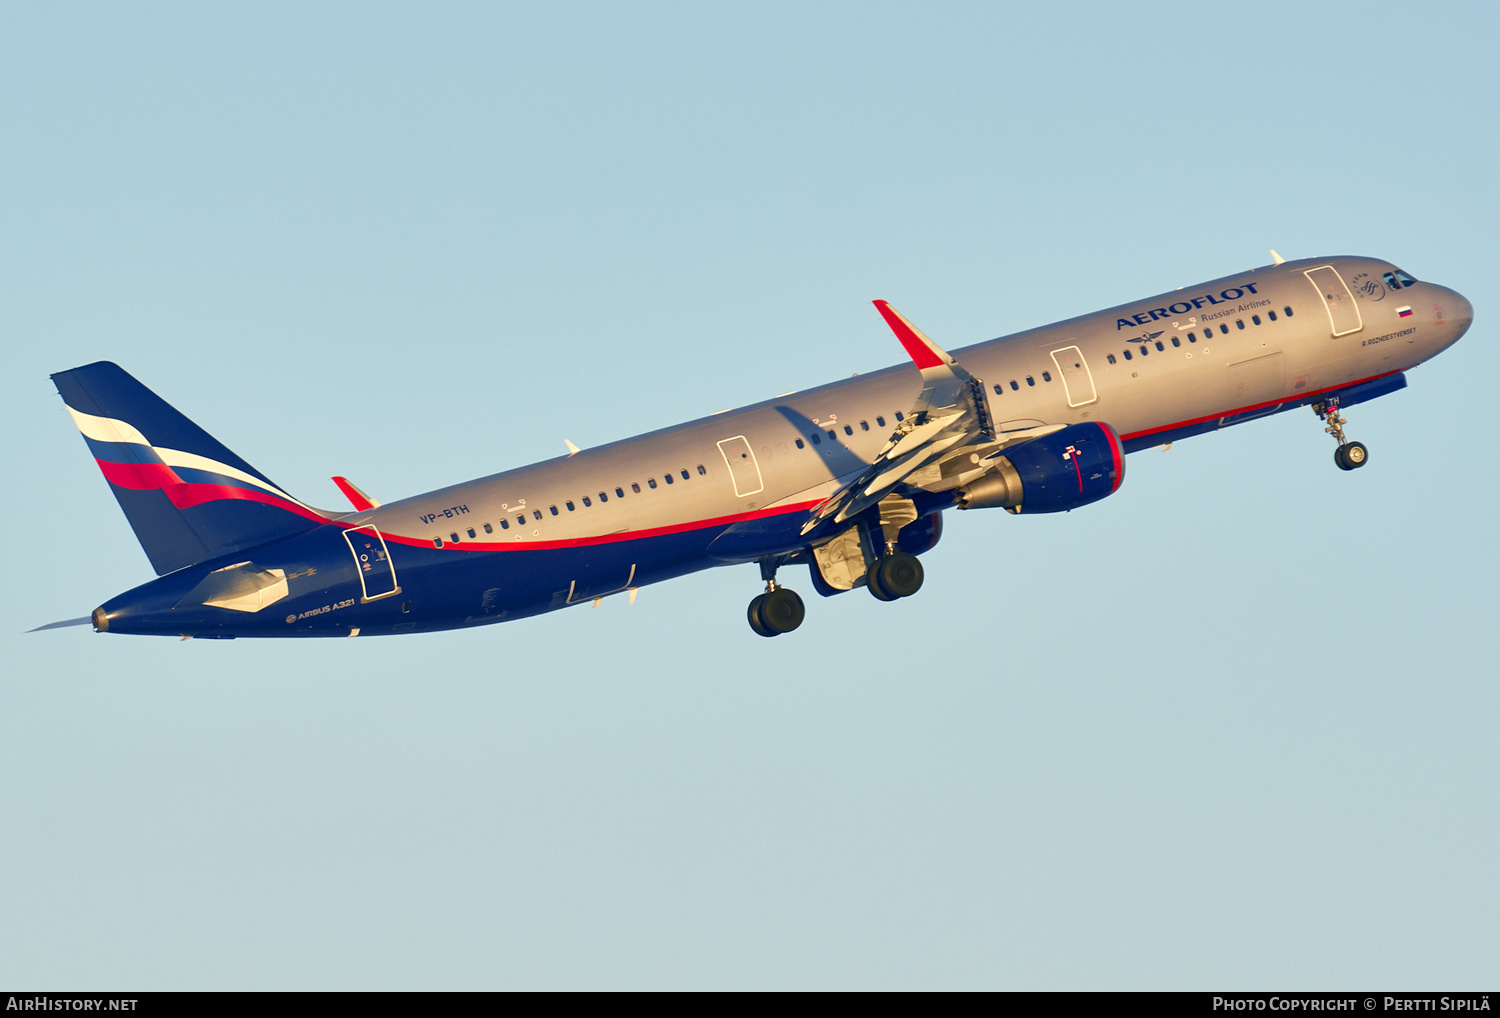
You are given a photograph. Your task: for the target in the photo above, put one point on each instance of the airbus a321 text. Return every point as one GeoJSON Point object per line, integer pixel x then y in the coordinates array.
{"type": "Point", "coordinates": [849, 479]}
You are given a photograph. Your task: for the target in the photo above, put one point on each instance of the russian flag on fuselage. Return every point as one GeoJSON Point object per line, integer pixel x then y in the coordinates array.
{"type": "Point", "coordinates": [187, 496]}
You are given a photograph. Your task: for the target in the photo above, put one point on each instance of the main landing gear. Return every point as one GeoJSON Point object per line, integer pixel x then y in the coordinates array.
{"type": "Point", "coordinates": [896, 575]}
{"type": "Point", "coordinates": [778, 610]}
{"type": "Point", "coordinates": [1349, 455]}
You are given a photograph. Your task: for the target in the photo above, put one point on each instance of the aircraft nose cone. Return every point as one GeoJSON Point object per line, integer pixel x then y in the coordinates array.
{"type": "Point", "coordinates": [1460, 313]}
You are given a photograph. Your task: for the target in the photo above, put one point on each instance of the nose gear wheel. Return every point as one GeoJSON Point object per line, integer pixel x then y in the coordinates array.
{"type": "Point", "coordinates": [1349, 455]}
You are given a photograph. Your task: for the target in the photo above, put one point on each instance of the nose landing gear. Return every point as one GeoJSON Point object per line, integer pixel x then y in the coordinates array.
{"type": "Point", "coordinates": [1349, 455]}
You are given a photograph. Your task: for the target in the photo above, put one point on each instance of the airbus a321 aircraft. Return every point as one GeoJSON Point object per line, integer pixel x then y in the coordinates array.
{"type": "Point", "coordinates": [849, 479]}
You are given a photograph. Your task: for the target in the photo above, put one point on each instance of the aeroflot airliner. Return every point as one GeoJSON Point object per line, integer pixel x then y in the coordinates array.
{"type": "Point", "coordinates": [849, 479]}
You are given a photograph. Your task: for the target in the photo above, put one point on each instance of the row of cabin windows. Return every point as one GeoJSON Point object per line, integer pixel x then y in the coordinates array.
{"type": "Point", "coordinates": [1192, 337]}
{"type": "Point", "coordinates": [437, 542]}
{"type": "Point", "coordinates": [1016, 386]}
{"type": "Point", "coordinates": [833, 433]}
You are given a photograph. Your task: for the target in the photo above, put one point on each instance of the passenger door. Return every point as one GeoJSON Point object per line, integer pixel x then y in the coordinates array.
{"type": "Point", "coordinates": [1343, 313]}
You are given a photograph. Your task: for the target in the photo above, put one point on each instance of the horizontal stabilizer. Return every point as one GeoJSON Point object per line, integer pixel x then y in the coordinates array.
{"type": "Point", "coordinates": [64, 624]}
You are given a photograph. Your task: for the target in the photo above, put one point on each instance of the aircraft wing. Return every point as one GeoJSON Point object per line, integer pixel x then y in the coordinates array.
{"type": "Point", "coordinates": [951, 413]}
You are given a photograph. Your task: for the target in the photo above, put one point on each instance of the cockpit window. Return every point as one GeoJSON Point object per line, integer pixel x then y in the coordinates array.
{"type": "Point", "coordinates": [1390, 281]}
{"type": "Point", "coordinates": [1407, 280]}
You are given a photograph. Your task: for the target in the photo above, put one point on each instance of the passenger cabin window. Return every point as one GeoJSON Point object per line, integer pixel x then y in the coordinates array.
{"type": "Point", "coordinates": [800, 445]}
{"type": "Point", "coordinates": [568, 504]}
{"type": "Point", "coordinates": [1176, 341]}
{"type": "Point", "coordinates": [1126, 353]}
{"type": "Point", "coordinates": [848, 429]}
{"type": "Point", "coordinates": [619, 493]}
{"type": "Point", "coordinates": [586, 502]}
{"type": "Point", "coordinates": [667, 478]}
{"type": "Point", "coordinates": [472, 535]}
{"type": "Point", "coordinates": [686, 476]}
{"type": "Point", "coordinates": [552, 509]}
{"type": "Point", "coordinates": [636, 488]}
{"type": "Point", "coordinates": [454, 538]}
{"type": "Point", "coordinates": [521, 520]}
{"type": "Point", "coordinates": [1112, 359]}
{"type": "Point", "coordinates": [833, 436]}
{"type": "Point", "coordinates": [1159, 345]}
{"type": "Point", "coordinates": [1271, 315]}
{"type": "Point", "coordinates": [536, 514]}
{"type": "Point", "coordinates": [1239, 323]}
{"type": "Point", "coordinates": [900, 416]}
{"type": "Point", "coordinates": [651, 481]}
{"type": "Point", "coordinates": [603, 497]}
{"type": "Point", "coordinates": [488, 529]}
{"type": "Point", "coordinates": [815, 439]}
{"type": "Point", "coordinates": [1193, 336]}
{"type": "Point", "coordinates": [1287, 312]}
{"type": "Point", "coordinates": [437, 542]}
{"type": "Point", "coordinates": [1015, 386]}
{"type": "Point", "coordinates": [1255, 319]}
{"type": "Point", "coordinates": [999, 390]}
{"type": "Point", "coordinates": [1046, 376]}
{"type": "Point", "coordinates": [880, 422]}
{"type": "Point", "coordinates": [865, 425]}
{"type": "Point", "coordinates": [702, 470]}
{"type": "Point", "coordinates": [1224, 329]}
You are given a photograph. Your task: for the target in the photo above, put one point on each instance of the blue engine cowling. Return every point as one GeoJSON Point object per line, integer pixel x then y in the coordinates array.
{"type": "Point", "coordinates": [1080, 464]}
{"type": "Point", "coordinates": [921, 535]}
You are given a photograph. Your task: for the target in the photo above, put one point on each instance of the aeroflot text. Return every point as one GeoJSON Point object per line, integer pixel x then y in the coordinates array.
{"type": "Point", "coordinates": [1183, 307]}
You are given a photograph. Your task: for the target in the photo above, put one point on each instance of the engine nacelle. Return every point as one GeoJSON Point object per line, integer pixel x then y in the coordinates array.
{"type": "Point", "coordinates": [1080, 464]}
{"type": "Point", "coordinates": [920, 535]}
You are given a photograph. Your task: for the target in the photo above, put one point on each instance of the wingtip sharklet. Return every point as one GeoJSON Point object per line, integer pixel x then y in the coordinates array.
{"type": "Point", "coordinates": [923, 351]}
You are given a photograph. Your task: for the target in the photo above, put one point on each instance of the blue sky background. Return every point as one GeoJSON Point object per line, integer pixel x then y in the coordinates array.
{"type": "Point", "coordinates": [1232, 728]}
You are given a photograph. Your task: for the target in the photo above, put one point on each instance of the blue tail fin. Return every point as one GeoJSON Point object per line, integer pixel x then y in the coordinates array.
{"type": "Point", "coordinates": [187, 497]}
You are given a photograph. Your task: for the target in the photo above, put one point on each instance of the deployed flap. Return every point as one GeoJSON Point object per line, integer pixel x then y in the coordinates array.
{"type": "Point", "coordinates": [951, 412]}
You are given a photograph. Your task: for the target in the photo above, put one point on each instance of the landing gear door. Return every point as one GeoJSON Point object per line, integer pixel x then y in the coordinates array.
{"type": "Point", "coordinates": [743, 469]}
{"type": "Point", "coordinates": [1077, 380]}
{"type": "Point", "coordinates": [1343, 313]}
{"type": "Point", "coordinates": [377, 576]}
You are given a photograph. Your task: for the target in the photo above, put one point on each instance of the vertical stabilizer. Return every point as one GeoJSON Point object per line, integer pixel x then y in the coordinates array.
{"type": "Point", "coordinates": [187, 497]}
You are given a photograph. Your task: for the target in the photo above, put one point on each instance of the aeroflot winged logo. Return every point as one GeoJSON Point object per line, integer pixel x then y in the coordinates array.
{"type": "Point", "coordinates": [1183, 307]}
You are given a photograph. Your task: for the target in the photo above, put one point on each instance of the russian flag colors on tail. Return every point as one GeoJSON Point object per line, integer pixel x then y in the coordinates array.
{"type": "Point", "coordinates": [188, 498]}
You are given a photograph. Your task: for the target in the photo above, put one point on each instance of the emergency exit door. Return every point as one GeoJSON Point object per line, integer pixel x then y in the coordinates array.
{"type": "Point", "coordinates": [744, 471]}
{"type": "Point", "coordinates": [1078, 381]}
